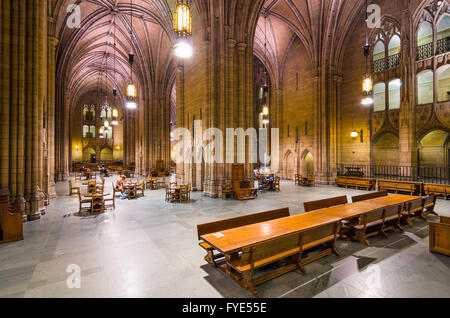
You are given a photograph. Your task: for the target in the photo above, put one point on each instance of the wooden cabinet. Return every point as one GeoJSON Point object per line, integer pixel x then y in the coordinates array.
{"type": "Point", "coordinates": [440, 236]}
{"type": "Point", "coordinates": [11, 224]}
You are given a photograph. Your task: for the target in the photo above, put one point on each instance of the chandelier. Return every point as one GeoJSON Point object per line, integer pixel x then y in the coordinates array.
{"type": "Point", "coordinates": [182, 25]}
{"type": "Point", "coordinates": [115, 112]}
{"type": "Point", "coordinates": [367, 84]}
{"type": "Point", "coordinates": [265, 108]}
{"type": "Point", "coordinates": [131, 88]}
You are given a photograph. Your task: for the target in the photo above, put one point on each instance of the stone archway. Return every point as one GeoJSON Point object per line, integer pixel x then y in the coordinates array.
{"type": "Point", "coordinates": [307, 163]}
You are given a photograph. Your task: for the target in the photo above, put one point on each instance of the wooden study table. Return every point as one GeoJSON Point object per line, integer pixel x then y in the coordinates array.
{"type": "Point", "coordinates": [353, 210]}
{"type": "Point", "coordinates": [233, 240]}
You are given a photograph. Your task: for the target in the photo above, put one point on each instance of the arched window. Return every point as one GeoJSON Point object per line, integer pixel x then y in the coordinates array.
{"type": "Point", "coordinates": [379, 97]}
{"type": "Point", "coordinates": [394, 52]}
{"type": "Point", "coordinates": [109, 133]}
{"type": "Point", "coordinates": [88, 113]}
{"type": "Point", "coordinates": [379, 57]}
{"type": "Point", "coordinates": [85, 131]}
{"type": "Point", "coordinates": [443, 35]}
{"type": "Point", "coordinates": [443, 83]}
{"type": "Point", "coordinates": [394, 93]}
{"type": "Point", "coordinates": [425, 41]}
{"type": "Point", "coordinates": [425, 88]}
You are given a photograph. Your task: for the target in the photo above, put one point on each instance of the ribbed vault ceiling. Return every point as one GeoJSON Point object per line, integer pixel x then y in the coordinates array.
{"type": "Point", "coordinates": [320, 25]}
{"type": "Point", "coordinates": [87, 53]}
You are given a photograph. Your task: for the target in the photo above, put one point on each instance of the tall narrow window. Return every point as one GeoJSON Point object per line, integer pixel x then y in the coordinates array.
{"type": "Point", "coordinates": [443, 35]}
{"type": "Point", "coordinates": [443, 82]}
{"type": "Point", "coordinates": [379, 97]}
{"type": "Point", "coordinates": [379, 59]}
{"type": "Point", "coordinates": [425, 41]}
{"type": "Point", "coordinates": [425, 88]}
{"type": "Point", "coordinates": [394, 52]}
{"type": "Point", "coordinates": [394, 93]}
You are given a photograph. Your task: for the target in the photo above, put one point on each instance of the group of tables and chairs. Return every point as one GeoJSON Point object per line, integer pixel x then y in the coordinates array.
{"type": "Point", "coordinates": [305, 181]}
{"type": "Point", "coordinates": [240, 246]}
{"type": "Point", "coordinates": [95, 200]}
{"type": "Point", "coordinates": [268, 182]}
{"type": "Point", "coordinates": [178, 193]}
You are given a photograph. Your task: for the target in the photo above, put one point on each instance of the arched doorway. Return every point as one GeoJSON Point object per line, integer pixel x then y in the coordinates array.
{"type": "Point", "coordinates": [289, 166]}
{"type": "Point", "coordinates": [307, 163]}
{"type": "Point", "coordinates": [385, 151]}
{"type": "Point", "coordinates": [89, 155]}
{"type": "Point", "coordinates": [106, 155]}
{"type": "Point", "coordinates": [434, 156]}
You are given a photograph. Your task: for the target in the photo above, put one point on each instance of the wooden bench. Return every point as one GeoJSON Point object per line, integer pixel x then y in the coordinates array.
{"type": "Point", "coordinates": [217, 226]}
{"type": "Point", "coordinates": [326, 203]}
{"type": "Point", "coordinates": [369, 196]}
{"type": "Point", "coordinates": [358, 183]}
{"type": "Point", "coordinates": [291, 247]}
{"type": "Point", "coordinates": [403, 186]}
{"type": "Point", "coordinates": [413, 211]}
{"type": "Point", "coordinates": [428, 206]}
{"type": "Point", "coordinates": [439, 189]}
{"type": "Point", "coordinates": [440, 236]}
{"type": "Point", "coordinates": [380, 219]}
{"type": "Point", "coordinates": [11, 224]}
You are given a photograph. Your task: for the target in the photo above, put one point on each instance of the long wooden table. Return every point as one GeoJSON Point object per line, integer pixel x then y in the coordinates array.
{"type": "Point", "coordinates": [233, 240]}
{"type": "Point", "coordinates": [353, 210]}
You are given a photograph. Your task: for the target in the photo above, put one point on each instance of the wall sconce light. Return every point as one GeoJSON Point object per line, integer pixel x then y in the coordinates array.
{"type": "Point", "coordinates": [77, 147]}
{"type": "Point", "coordinates": [118, 148]}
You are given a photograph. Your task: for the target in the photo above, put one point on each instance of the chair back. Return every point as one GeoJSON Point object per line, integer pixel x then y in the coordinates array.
{"type": "Point", "coordinates": [92, 187]}
{"type": "Point", "coordinates": [97, 202]}
{"type": "Point", "coordinates": [393, 211]}
{"type": "Point", "coordinates": [431, 200]}
{"type": "Point", "coordinates": [320, 232]}
{"type": "Point", "coordinates": [326, 203]}
{"type": "Point", "coordinates": [253, 254]}
{"type": "Point", "coordinates": [415, 206]}
{"type": "Point", "coordinates": [371, 216]}
{"type": "Point", "coordinates": [369, 196]}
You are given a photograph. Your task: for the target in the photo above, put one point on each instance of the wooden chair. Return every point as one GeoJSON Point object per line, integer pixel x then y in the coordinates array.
{"type": "Point", "coordinates": [184, 194]}
{"type": "Point", "coordinates": [115, 191]}
{"type": "Point", "coordinates": [392, 217]}
{"type": "Point", "coordinates": [373, 219]}
{"type": "Point", "coordinates": [429, 204]}
{"type": "Point", "coordinates": [92, 188]}
{"type": "Point", "coordinates": [97, 205]}
{"type": "Point", "coordinates": [413, 211]}
{"type": "Point", "coordinates": [297, 179]}
{"type": "Point", "coordinates": [227, 191]}
{"type": "Point", "coordinates": [369, 196]}
{"type": "Point", "coordinates": [326, 203]}
{"type": "Point", "coordinates": [171, 195]}
{"type": "Point", "coordinates": [239, 221]}
{"type": "Point", "coordinates": [440, 236]}
{"type": "Point", "coordinates": [81, 202]}
{"type": "Point", "coordinates": [140, 187]}
{"type": "Point", "coordinates": [132, 193]}
{"type": "Point", "coordinates": [276, 184]}
{"type": "Point", "coordinates": [311, 180]}
{"type": "Point", "coordinates": [72, 189]}
{"type": "Point", "coordinates": [112, 199]}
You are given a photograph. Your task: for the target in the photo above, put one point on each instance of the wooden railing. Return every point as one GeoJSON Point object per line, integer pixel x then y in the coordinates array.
{"type": "Point", "coordinates": [440, 175]}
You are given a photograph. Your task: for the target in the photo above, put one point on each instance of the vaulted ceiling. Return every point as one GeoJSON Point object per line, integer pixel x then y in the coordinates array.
{"type": "Point", "coordinates": [102, 43]}
{"type": "Point", "coordinates": [321, 25]}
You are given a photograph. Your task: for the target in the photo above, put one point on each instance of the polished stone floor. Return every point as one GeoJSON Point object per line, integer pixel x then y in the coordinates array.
{"type": "Point", "coordinates": [148, 248]}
